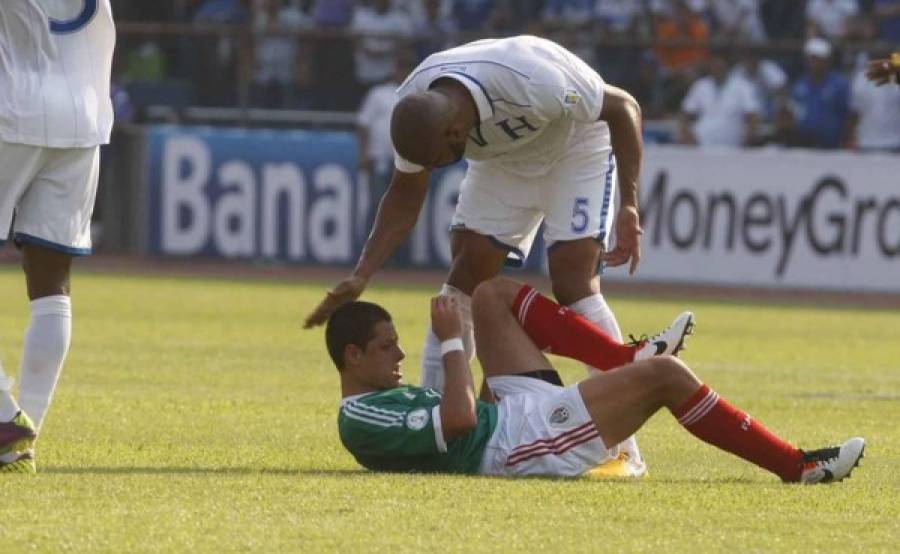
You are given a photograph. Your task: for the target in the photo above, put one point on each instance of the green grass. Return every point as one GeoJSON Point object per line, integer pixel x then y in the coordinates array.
{"type": "Point", "coordinates": [195, 415]}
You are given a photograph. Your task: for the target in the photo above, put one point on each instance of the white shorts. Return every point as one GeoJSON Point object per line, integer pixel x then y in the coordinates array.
{"type": "Point", "coordinates": [542, 429]}
{"type": "Point", "coordinates": [575, 199]}
{"type": "Point", "coordinates": [51, 191]}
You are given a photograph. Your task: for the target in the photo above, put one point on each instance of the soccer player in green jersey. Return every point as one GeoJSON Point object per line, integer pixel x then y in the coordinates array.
{"type": "Point", "coordinates": [537, 426]}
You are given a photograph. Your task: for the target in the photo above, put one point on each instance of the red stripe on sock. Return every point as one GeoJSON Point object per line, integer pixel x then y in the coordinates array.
{"type": "Point", "coordinates": [724, 426]}
{"type": "Point", "coordinates": [565, 333]}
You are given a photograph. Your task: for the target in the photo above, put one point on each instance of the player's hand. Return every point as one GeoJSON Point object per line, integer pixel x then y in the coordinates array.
{"type": "Point", "coordinates": [446, 321]}
{"type": "Point", "coordinates": [628, 240]}
{"type": "Point", "coordinates": [347, 290]}
{"type": "Point", "coordinates": [880, 71]}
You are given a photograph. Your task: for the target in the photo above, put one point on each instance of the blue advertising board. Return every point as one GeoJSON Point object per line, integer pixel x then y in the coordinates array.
{"type": "Point", "coordinates": [288, 196]}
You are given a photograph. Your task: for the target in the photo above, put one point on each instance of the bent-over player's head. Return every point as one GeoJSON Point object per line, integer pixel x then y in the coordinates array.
{"type": "Point", "coordinates": [427, 129]}
{"type": "Point", "coordinates": [364, 346]}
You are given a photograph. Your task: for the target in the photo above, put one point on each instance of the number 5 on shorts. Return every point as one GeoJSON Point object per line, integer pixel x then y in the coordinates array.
{"type": "Point", "coordinates": [580, 216]}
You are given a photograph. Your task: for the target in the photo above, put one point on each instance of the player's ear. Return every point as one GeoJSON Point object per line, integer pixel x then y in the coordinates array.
{"type": "Point", "coordinates": [352, 354]}
{"type": "Point", "coordinates": [455, 132]}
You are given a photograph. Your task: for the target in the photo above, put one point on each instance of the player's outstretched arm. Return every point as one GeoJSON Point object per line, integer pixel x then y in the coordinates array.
{"type": "Point", "coordinates": [623, 115]}
{"type": "Point", "coordinates": [458, 415]}
{"type": "Point", "coordinates": [397, 215]}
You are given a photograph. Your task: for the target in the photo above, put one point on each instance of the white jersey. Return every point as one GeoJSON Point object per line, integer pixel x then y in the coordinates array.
{"type": "Point", "coordinates": [55, 63]}
{"type": "Point", "coordinates": [535, 100]}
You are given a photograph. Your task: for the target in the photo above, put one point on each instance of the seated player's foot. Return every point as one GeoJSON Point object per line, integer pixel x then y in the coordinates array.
{"type": "Point", "coordinates": [832, 464]}
{"type": "Point", "coordinates": [621, 466]}
{"type": "Point", "coordinates": [669, 341]}
{"type": "Point", "coordinates": [18, 434]}
{"type": "Point", "coordinates": [24, 463]}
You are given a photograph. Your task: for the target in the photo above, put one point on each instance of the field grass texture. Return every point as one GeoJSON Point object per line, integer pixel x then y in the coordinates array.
{"type": "Point", "coordinates": [195, 415]}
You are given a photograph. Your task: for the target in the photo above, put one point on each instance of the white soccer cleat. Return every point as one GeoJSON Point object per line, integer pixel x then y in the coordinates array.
{"type": "Point", "coordinates": [670, 341]}
{"type": "Point", "coordinates": [829, 465]}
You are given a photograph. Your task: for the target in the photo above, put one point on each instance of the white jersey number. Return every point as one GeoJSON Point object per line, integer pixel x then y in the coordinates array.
{"type": "Point", "coordinates": [88, 10]}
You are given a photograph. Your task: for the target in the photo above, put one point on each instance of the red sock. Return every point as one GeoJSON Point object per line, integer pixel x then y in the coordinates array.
{"type": "Point", "coordinates": [565, 333]}
{"type": "Point", "coordinates": [713, 420]}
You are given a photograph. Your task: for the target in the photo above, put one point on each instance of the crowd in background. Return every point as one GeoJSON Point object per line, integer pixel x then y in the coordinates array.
{"type": "Point", "coordinates": [729, 72]}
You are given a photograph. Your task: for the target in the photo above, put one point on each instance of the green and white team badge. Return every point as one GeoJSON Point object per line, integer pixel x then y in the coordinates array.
{"type": "Point", "coordinates": [416, 420]}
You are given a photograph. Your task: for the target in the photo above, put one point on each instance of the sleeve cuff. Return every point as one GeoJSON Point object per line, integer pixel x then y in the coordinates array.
{"type": "Point", "coordinates": [438, 430]}
{"type": "Point", "coordinates": [406, 166]}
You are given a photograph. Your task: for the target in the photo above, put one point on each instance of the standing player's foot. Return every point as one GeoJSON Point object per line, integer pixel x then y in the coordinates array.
{"type": "Point", "coordinates": [18, 434]}
{"type": "Point", "coordinates": [670, 341]}
{"type": "Point", "coordinates": [24, 463]}
{"type": "Point", "coordinates": [833, 464]}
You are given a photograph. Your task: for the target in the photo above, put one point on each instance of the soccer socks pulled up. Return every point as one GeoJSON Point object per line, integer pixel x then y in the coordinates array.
{"type": "Point", "coordinates": [564, 332]}
{"type": "Point", "coordinates": [713, 420]}
{"type": "Point", "coordinates": [8, 406]}
{"type": "Point", "coordinates": [432, 364]}
{"type": "Point", "coordinates": [46, 344]}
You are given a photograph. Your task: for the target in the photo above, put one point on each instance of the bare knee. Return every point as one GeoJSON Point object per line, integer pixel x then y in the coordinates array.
{"type": "Point", "coordinates": [670, 378]}
{"type": "Point", "coordinates": [46, 271]}
{"type": "Point", "coordinates": [497, 293]}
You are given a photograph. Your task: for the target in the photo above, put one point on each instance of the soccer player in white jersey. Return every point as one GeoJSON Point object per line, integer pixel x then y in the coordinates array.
{"type": "Point", "coordinates": [55, 111]}
{"type": "Point", "coordinates": [546, 140]}
{"type": "Point", "coordinates": [537, 426]}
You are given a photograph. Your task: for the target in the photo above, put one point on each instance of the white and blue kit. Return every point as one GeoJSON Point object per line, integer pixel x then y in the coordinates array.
{"type": "Point", "coordinates": [55, 112]}
{"type": "Point", "coordinates": [539, 151]}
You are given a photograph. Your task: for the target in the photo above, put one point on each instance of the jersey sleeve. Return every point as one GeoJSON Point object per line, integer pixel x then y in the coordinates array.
{"type": "Point", "coordinates": [392, 430]}
{"type": "Point", "coordinates": [580, 90]}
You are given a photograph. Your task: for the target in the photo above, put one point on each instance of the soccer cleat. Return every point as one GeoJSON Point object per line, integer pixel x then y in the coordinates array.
{"type": "Point", "coordinates": [670, 341]}
{"type": "Point", "coordinates": [620, 466]}
{"type": "Point", "coordinates": [17, 434]}
{"type": "Point", "coordinates": [833, 464]}
{"type": "Point", "coordinates": [24, 463]}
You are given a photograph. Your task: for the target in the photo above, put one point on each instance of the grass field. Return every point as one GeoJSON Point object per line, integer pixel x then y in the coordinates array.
{"type": "Point", "coordinates": [195, 415]}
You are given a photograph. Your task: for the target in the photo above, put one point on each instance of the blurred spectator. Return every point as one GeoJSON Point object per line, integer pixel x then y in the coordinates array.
{"type": "Point", "coordinates": [436, 30]}
{"type": "Point", "coordinates": [720, 109]}
{"type": "Point", "coordinates": [647, 88]}
{"type": "Point", "coordinates": [830, 19]}
{"type": "Point", "coordinates": [686, 26]}
{"type": "Point", "coordinates": [738, 19]}
{"type": "Point", "coordinates": [874, 123]}
{"type": "Point", "coordinates": [475, 15]}
{"type": "Point", "coordinates": [333, 58]}
{"type": "Point", "coordinates": [616, 21]}
{"type": "Point", "coordinates": [379, 27]}
{"type": "Point", "coordinates": [373, 131]}
{"type": "Point", "coordinates": [571, 24]}
{"type": "Point", "coordinates": [145, 63]}
{"type": "Point", "coordinates": [216, 58]}
{"type": "Point", "coordinates": [887, 14]}
{"type": "Point", "coordinates": [768, 80]}
{"type": "Point", "coordinates": [275, 52]}
{"type": "Point", "coordinates": [820, 98]}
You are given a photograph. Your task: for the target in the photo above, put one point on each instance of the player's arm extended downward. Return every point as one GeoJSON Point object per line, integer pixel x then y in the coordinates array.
{"type": "Point", "coordinates": [397, 215]}
{"type": "Point", "coordinates": [623, 115]}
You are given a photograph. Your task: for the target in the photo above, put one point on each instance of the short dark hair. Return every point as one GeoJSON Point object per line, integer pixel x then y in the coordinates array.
{"type": "Point", "coordinates": [352, 323]}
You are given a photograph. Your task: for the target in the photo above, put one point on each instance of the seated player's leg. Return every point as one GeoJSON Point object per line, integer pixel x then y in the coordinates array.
{"type": "Point", "coordinates": [621, 400]}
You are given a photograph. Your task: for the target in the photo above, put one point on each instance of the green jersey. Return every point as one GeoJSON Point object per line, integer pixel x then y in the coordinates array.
{"type": "Point", "coordinates": [400, 430]}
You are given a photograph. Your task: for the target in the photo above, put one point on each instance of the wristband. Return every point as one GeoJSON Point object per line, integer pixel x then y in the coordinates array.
{"type": "Point", "coordinates": [452, 345]}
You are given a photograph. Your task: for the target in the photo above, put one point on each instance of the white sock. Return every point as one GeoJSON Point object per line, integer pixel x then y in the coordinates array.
{"type": "Point", "coordinates": [432, 365]}
{"type": "Point", "coordinates": [595, 309]}
{"type": "Point", "coordinates": [46, 344]}
{"type": "Point", "coordinates": [8, 406]}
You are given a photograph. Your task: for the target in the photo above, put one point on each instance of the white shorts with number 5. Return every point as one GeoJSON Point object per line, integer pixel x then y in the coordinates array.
{"type": "Point", "coordinates": [575, 199]}
{"type": "Point", "coordinates": [51, 191]}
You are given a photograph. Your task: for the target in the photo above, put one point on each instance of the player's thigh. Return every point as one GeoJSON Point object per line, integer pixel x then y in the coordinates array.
{"type": "Point", "coordinates": [503, 347]}
{"type": "Point", "coordinates": [500, 205]}
{"type": "Point", "coordinates": [55, 212]}
{"type": "Point", "coordinates": [476, 258]}
{"type": "Point", "coordinates": [19, 164]}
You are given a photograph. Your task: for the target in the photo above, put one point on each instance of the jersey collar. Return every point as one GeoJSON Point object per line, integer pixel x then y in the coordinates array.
{"type": "Point", "coordinates": [476, 89]}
